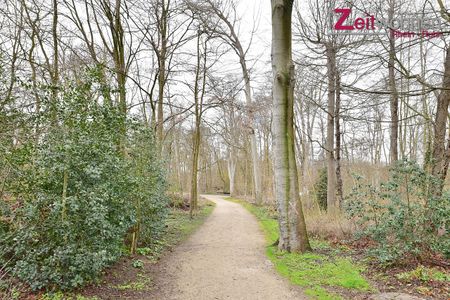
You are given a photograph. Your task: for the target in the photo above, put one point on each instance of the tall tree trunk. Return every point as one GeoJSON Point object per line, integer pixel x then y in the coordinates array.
{"type": "Point", "coordinates": [55, 67]}
{"type": "Point", "coordinates": [162, 73]}
{"type": "Point", "coordinates": [252, 137]}
{"type": "Point", "coordinates": [441, 154]}
{"type": "Point", "coordinates": [199, 92]}
{"type": "Point", "coordinates": [393, 89]}
{"type": "Point", "coordinates": [118, 54]}
{"type": "Point", "coordinates": [195, 159]}
{"type": "Point", "coordinates": [293, 235]}
{"type": "Point", "coordinates": [339, 185]}
{"type": "Point", "coordinates": [177, 158]}
{"type": "Point", "coordinates": [331, 166]}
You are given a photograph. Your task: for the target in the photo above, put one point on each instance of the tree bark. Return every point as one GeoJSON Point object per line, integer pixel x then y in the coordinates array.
{"type": "Point", "coordinates": [292, 227]}
{"type": "Point", "coordinates": [441, 154]}
{"type": "Point", "coordinates": [331, 166]}
{"type": "Point", "coordinates": [339, 185]}
{"type": "Point", "coordinates": [55, 67]}
{"type": "Point", "coordinates": [393, 149]}
{"type": "Point", "coordinates": [194, 177]}
{"type": "Point", "coordinates": [162, 28]}
{"type": "Point", "coordinates": [199, 92]}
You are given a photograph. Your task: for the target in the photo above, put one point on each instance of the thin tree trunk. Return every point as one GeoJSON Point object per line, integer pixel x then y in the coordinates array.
{"type": "Point", "coordinates": [195, 159]}
{"type": "Point", "coordinates": [393, 88]}
{"type": "Point", "coordinates": [339, 185]}
{"type": "Point", "coordinates": [118, 54]}
{"type": "Point", "coordinates": [331, 166]}
{"type": "Point", "coordinates": [199, 92]}
{"type": "Point", "coordinates": [162, 73]}
{"type": "Point", "coordinates": [55, 67]}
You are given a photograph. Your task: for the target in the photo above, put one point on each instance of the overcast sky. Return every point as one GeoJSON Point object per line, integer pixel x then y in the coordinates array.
{"type": "Point", "coordinates": [252, 11]}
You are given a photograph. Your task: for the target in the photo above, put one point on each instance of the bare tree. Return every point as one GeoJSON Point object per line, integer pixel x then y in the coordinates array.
{"type": "Point", "coordinates": [224, 25]}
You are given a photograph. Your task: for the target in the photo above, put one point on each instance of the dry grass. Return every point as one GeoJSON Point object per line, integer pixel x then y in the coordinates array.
{"type": "Point", "coordinates": [334, 227]}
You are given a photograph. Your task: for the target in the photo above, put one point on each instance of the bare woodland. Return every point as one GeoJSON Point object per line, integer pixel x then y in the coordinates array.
{"type": "Point", "coordinates": [228, 112]}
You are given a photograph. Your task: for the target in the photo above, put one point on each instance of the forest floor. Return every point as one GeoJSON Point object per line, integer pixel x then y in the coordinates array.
{"type": "Point", "coordinates": [133, 276]}
{"type": "Point", "coordinates": [224, 259]}
{"type": "Point", "coordinates": [342, 270]}
{"type": "Point", "coordinates": [228, 257]}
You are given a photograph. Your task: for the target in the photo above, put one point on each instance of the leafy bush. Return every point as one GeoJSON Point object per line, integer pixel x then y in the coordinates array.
{"type": "Point", "coordinates": [320, 189]}
{"type": "Point", "coordinates": [150, 199]}
{"type": "Point", "coordinates": [403, 216]}
{"type": "Point", "coordinates": [75, 195]}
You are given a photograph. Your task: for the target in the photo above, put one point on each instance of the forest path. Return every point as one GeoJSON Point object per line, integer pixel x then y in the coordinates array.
{"type": "Point", "coordinates": [224, 259]}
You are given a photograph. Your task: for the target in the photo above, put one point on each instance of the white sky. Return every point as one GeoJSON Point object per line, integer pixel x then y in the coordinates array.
{"type": "Point", "coordinates": [259, 11]}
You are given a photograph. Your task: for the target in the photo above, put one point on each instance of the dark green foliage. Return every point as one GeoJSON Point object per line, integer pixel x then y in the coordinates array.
{"type": "Point", "coordinates": [150, 199]}
{"type": "Point", "coordinates": [320, 189]}
{"type": "Point", "coordinates": [402, 215]}
{"type": "Point", "coordinates": [75, 194]}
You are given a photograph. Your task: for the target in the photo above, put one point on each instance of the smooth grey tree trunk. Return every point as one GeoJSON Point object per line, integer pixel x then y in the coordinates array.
{"type": "Point", "coordinates": [231, 164]}
{"type": "Point", "coordinates": [292, 227]}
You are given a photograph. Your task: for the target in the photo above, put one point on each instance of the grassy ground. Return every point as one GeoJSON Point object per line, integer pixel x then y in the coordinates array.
{"type": "Point", "coordinates": [324, 273]}
{"type": "Point", "coordinates": [131, 277]}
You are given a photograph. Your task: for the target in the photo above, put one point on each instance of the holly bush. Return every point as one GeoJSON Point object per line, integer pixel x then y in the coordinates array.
{"type": "Point", "coordinates": [403, 216]}
{"type": "Point", "coordinates": [76, 192]}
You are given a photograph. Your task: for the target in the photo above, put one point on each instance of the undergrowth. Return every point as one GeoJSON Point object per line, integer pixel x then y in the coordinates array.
{"type": "Point", "coordinates": [317, 272]}
{"type": "Point", "coordinates": [179, 226]}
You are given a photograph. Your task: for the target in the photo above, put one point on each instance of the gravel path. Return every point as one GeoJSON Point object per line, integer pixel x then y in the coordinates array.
{"type": "Point", "coordinates": [224, 259]}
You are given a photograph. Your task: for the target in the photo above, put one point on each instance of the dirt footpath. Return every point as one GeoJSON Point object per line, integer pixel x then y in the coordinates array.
{"type": "Point", "coordinates": [224, 259]}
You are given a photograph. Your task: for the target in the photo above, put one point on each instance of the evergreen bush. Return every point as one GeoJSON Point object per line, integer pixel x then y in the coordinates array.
{"type": "Point", "coordinates": [403, 216]}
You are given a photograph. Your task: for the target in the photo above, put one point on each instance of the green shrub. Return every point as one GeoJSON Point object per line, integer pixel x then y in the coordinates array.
{"type": "Point", "coordinates": [402, 215]}
{"type": "Point", "coordinates": [150, 200]}
{"type": "Point", "coordinates": [74, 199]}
{"type": "Point", "coordinates": [320, 189]}
{"type": "Point", "coordinates": [75, 195]}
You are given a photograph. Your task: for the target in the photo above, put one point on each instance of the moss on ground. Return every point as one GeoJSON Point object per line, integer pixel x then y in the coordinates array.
{"type": "Point", "coordinates": [62, 296]}
{"type": "Point", "coordinates": [142, 283]}
{"type": "Point", "coordinates": [314, 271]}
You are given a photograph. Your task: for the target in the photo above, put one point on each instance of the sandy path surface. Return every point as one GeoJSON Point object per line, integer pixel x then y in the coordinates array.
{"type": "Point", "coordinates": [224, 259]}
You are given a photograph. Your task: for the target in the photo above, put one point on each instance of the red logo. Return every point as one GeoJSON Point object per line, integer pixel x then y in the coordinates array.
{"type": "Point", "coordinates": [367, 23]}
